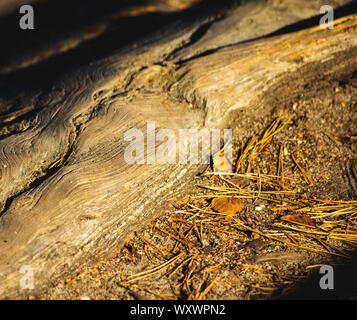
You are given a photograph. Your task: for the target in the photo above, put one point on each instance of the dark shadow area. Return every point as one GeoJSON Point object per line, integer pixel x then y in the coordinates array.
{"type": "Point", "coordinates": [344, 280]}
{"type": "Point", "coordinates": [57, 20]}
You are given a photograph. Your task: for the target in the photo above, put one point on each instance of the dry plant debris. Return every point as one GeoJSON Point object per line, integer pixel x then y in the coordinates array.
{"type": "Point", "coordinates": [222, 214]}
{"type": "Point", "coordinates": [229, 239]}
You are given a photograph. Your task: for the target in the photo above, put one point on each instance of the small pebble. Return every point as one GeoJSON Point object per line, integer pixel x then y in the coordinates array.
{"type": "Point", "coordinates": [256, 244]}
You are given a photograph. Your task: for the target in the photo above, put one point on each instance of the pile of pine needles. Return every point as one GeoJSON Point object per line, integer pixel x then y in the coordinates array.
{"type": "Point", "coordinates": [207, 237]}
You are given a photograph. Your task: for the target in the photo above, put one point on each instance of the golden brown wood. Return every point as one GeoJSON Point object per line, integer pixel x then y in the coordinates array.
{"type": "Point", "coordinates": [67, 194]}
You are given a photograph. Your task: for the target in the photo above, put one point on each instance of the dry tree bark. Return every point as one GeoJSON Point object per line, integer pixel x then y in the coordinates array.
{"type": "Point", "coordinates": [67, 194]}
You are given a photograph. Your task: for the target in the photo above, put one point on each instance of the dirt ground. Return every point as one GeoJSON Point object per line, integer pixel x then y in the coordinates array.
{"type": "Point", "coordinates": [292, 209]}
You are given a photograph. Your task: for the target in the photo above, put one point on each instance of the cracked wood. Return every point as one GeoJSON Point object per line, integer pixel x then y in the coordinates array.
{"type": "Point", "coordinates": [67, 194]}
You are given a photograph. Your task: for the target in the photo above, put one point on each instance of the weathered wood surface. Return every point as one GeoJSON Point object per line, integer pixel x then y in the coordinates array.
{"type": "Point", "coordinates": [67, 193]}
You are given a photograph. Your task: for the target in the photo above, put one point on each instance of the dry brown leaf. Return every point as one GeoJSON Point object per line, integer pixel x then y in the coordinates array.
{"type": "Point", "coordinates": [299, 219]}
{"type": "Point", "coordinates": [230, 206]}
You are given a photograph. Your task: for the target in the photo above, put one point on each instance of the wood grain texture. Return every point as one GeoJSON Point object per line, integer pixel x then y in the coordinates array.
{"type": "Point", "coordinates": [67, 194]}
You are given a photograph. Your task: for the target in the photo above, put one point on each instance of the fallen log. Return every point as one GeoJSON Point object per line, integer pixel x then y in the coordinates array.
{"type": "Point", "coordinates": [67, 193]}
